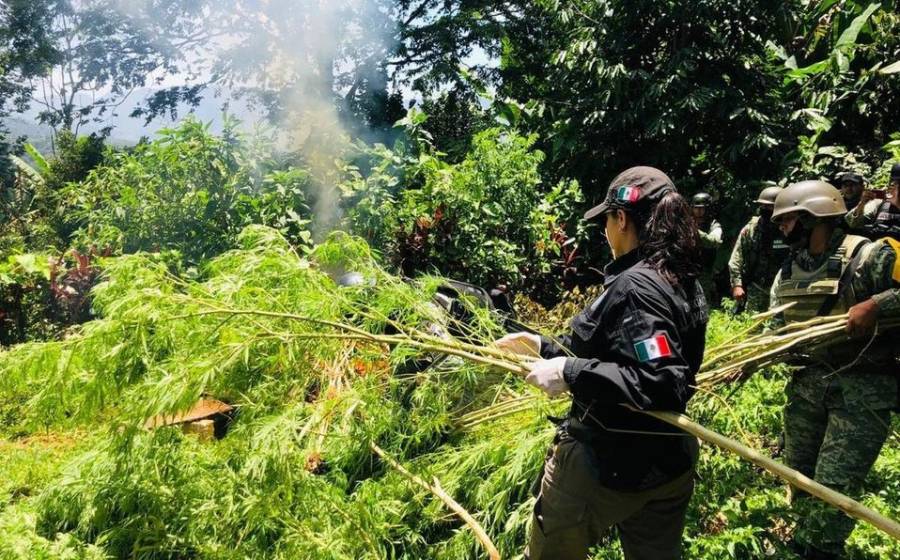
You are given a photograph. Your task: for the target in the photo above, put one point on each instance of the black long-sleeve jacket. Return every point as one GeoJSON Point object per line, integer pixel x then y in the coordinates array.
{"type": "Point", "coordinates": [641, 344]}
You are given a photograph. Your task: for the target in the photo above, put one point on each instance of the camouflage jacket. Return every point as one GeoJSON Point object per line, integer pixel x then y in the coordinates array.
{"type": "Point", "coordinates": [757, 255]}
{"type": "Point", "coordinates": [858, 218]}
{"type": "Point", "coordinates": [713, 257]}
{"type": "Point", "coordinates": [711, 239]}
{"type": "Point", "coordinates": [877, 219]}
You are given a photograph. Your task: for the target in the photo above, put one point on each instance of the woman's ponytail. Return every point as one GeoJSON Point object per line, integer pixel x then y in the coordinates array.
{"type": "Point", "coordinates": [669, 240]}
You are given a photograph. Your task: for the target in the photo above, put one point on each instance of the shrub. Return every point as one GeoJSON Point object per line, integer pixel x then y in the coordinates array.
{"type": "Point", "coordinates": [489, 219]}
{"type": "Point", "coordinates": [191, 191]}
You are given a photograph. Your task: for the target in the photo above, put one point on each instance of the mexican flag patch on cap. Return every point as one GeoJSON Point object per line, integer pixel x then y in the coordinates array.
{"type": "Point", "coordinates": [628, 194]}
{"type": "Point", "coordinates": [653, 348]}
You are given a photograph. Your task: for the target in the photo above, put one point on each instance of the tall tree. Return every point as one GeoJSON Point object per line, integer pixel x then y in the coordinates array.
{"type": "Point", "coordinates": [309, 56]}
{"type": "Point", "coordinates": [26, 51]}
{"type": "Point", "coordinates": [686, 86]}
{"type": "Point", "coordinates": [110, 48]}
{"type": "Point", "coordinates": [436, 37]}
{"type": "Point", "coordinates": [719, 93]}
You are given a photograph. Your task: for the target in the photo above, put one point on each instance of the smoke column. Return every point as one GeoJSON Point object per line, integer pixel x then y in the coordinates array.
{"type": "Point", "coordinates": [296, 59]}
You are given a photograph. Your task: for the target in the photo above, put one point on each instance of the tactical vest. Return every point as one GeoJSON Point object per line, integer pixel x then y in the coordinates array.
{"type": "Point", "coordinates": [808, 290]}
{"type": "Point", "coordinates": [887, 223]}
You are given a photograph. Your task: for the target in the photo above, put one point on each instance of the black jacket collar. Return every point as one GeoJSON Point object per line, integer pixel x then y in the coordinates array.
{"type": "Point", "coordinates": [621, 264]}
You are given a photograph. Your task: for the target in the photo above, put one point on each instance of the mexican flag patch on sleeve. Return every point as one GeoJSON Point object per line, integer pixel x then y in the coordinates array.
{"type": "Point", "coordinates": [653, 348]}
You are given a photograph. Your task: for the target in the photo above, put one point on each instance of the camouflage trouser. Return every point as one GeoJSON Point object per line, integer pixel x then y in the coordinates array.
{"type": "Point", "coordinates": [707, 279]}
{"type": "Point", "coordinates": [757, 299]}
{"type": "Point", "coordinates": [836, 445]}
{"type": "Point", "coordinates": [574, 511]}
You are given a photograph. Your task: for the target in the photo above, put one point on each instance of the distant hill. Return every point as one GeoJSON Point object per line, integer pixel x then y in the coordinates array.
{"type": "Point", "coordinates": [209, 110]}
{"type": "Point", "coordinates": [127, 131]}
{"type": "Point", "coordinates": [36, 134]}
{"type": "Point", "coordinates": [39, 135]}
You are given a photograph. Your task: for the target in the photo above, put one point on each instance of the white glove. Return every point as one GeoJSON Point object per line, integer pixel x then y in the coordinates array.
{"type": "Point", "coordinates": [547, 375]}
{"type": "Point", "coordinates": [522, 343]}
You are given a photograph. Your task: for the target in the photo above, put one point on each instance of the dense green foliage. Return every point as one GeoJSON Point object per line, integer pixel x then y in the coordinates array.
{"type": "Point", "coordinates": [187, 195]}
{"type": "Point", "coordinates": [489, 219]}
{"type": "Point", "coordinates": [189, 191]}
{"type": "Point", "coordinates": [295, 476]}
{"type": "Point", "coordinates": [41, 295]}
{"type": "Point", "coordinates": [34, 214]}
{"type": "Point", "coordinates": [721, 95]}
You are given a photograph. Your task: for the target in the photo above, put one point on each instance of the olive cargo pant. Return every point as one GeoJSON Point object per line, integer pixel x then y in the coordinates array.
{"type": "Point", "coordinates": [834, 444]}
{"type": "Point", "coordinates": [574, 510]}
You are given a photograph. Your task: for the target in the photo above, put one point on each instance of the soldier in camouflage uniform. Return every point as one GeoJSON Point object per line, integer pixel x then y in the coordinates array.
{"type": "Point", "coordinates": [757, 256]}
{"type": "Point", "coordinates": [838, 412]}
{"type": "Point", "coordinates": [711, 237]}
{"type": "Point", "coordinates": [877, 219]}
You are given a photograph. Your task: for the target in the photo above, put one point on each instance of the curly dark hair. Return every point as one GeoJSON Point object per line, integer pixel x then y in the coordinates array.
{"type": "Point", "coordinates": [669, 241]}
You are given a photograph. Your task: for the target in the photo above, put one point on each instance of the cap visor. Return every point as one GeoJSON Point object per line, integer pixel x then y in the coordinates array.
{"type": "Point", "coordinates": [596, 211]}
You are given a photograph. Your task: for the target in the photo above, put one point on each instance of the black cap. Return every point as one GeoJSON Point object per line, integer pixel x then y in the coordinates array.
{"type": "Point", "coordinates": [895, 171]}
{"type": "Point", "coordinates": [848, 177]}
{"type": "Point", "coordinates": [632, 189]}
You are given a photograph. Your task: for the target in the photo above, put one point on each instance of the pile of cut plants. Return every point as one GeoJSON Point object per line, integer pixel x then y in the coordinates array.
{"type": "Point", "coordinates": [366, 422]}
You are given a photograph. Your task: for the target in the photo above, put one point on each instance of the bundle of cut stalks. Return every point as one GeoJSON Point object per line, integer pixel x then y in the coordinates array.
{"type": "Point", "coordinates": [746, 353]}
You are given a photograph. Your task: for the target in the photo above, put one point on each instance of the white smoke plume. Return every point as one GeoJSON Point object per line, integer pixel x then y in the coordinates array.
{"type": "Point", "coordinates": [295, 58]}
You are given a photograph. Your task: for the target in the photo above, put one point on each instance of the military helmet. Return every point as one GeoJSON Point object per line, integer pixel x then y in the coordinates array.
{"type": "Point", "coordinates": [767, 196]}
{"type": "Point", "coordinates": [701, 200]}
{"type": "Point", "coordinates": [818, 198]}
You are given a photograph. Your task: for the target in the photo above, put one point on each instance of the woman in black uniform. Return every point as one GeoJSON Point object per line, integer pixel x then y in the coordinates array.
{"type": "Point", "coordinates": [639, 344]}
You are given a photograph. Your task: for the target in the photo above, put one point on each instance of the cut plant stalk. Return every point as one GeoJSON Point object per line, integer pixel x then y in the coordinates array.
{"type": "Point", "coordinates": [741, 360]}
{"type": "Point", "coordinates": [846, 504]}
{"type": "Point", "coordinates": [435, 488]}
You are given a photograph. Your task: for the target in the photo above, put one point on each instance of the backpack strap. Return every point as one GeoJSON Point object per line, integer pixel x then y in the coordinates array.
{"type": "Point", "coordinates": [845, 280]}
{"type": "Point", "coordinates": [787, 268]}
{"type": "Point", "coordinates": [895, 245]}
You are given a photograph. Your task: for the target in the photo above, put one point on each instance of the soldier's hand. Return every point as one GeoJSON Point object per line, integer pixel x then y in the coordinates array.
{"type": "Point", "coordinates": [738, 293]}
{"type": "Point", "coordinates": [867, 195]}
{"type": "Point", "coordinates": [522, 343]}
{"type": "Point", "coordinates": [862, 318]}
